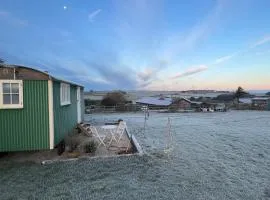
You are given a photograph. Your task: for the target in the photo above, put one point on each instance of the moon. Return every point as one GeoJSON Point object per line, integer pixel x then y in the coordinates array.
{"type": "Point", "coordinates": [65, 7]}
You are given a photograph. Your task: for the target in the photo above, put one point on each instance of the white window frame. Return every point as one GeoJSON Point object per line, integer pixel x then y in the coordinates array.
{"type": "Point", "coordinates": [64, 94]}
{"type": "Point", "coordinates": [11, 106]}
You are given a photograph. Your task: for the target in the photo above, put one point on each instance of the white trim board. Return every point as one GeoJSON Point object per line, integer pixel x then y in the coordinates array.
{"type": "Point", "coordinates": [79, 104]}
{"type": "Point", "coordinates": [51, 120]}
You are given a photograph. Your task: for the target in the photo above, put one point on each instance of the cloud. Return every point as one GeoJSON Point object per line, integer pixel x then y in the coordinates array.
{"type": "Point", "coordinates": [109, 73]}
{"type": "Point", "coordinates": [261, 42]}
{"type": "Point", "coordinates": [222, 59]}
{"type": "Point", "coordinates": [262, 52]}
{"type": "Point", "coordinates": [65, 33]}
{"type": "Point", "coordinates": [226, 58]}
{"type": "Point", "coordinates": [120, 78]}
{"type": "Point", "coordinates": [10, 18]}
{"type": "Point", "coordinates": [182, 42]}
{"type": "Point", "coordinates": [146, 77]}
{"type": "Point", "coordinates": [4, 13]}
{"type": "Point", "coordinates": [146, 74]}
{"type": "Point", "coordinates": [97, 80]}
{"type": "Point", "coordinates": [135, 25]}
{"type": "Point", "coordinates": [88, 79]}
{"type": "Point", "coordinates": [191, 71]}
{"type": "Point", "coordinates": [150, 74]}
{"type": "Point", "coordinates": [143, 85]}
{"type": "Point", "coordinates": [258, 43]}
{"type": "Point", "coordinates": [93, 15]}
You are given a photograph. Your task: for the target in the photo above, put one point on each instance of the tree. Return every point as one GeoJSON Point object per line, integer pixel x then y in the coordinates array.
{"type": "Point", "coordinates": [113, 98]}
{"type": "Point", "coordinates": [225, 97]}
{"type": "Point", "coordinates": [268, 94]}
{"type": "Point", "coordinates": [240, 92]}
{"type": "Point", "coordinates": [89, 102]}
{"type": "Point", "coordinates": [192, 99]}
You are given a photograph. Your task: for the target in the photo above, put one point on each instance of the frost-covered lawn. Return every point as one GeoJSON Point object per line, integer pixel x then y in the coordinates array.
{"type": "Point", "coordinates": [215, 156]}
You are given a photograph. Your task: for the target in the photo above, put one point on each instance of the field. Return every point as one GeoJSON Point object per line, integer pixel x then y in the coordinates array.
{"type": "Point", "coordinates": [211, 156]}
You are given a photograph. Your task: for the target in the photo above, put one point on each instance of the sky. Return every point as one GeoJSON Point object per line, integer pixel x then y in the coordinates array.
{"type": "Point", "coordinates": [141, 44]}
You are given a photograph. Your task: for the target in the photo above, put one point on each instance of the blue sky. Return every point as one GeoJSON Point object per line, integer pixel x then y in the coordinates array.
{"type": "Point", "coordinates": [142, 44]}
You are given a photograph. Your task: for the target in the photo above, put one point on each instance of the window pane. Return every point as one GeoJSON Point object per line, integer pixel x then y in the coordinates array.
{"type": "Point", "coordinates": [64, 93]}
{"type": "Point", "coordinates": [6, 99]}
{"type": "Point", "coordinates": [15, 88]}
{"type": "Point", "coordinates": [15, 99]}
{"type": "Point", "coordinates": [6, 88]}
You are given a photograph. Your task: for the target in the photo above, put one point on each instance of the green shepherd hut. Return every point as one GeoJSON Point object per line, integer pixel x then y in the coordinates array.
{"type": "Point", "coordinates": [37, 110]}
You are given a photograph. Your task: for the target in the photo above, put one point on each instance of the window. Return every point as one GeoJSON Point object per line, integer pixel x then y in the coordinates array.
{"type": "Point", "coordinates": [65, 94]}
{"type": "Point", "coordinates": [11, 94]}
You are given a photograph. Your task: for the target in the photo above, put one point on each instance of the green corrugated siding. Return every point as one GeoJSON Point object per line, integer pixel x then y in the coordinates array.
{"type": "Point", "coordinates": [27, 128]}
{"type": "Point", "coordinates": [65, 117]}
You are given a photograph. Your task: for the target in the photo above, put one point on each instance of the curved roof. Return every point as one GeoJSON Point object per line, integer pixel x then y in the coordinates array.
{"type": "Point", "coordinates": [21, 66]}
{"type": "Point", "coordinates": [43, 73]}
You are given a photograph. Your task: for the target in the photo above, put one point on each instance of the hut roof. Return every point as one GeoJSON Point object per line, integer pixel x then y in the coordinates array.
{"type": "Point", "coordinates": [42, 73]}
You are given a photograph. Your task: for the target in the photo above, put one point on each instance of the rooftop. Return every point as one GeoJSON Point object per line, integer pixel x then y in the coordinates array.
{"type": "Point", "coordinates": [245, 100]}
{"type": "Point", "coordinates": [47, 74]}
{"type": "Point", "coordinates": [261, 98]}
{"type": "Point", "coordinates": [155, 101]}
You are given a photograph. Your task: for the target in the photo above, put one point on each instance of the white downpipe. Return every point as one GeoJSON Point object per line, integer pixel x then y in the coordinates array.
{"type": "Point", "coordinates": [51, 121]}
{"type": "Point", "coordinates": [79, 118]}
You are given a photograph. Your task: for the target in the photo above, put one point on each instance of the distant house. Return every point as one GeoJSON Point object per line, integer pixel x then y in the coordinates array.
{"type": "Point", "coordinates": [213, 106]}
{"type": "Point", "coordinates": [196, 105]}
{"type": "Point", "coordinates": [161, 102]}
{"type": "Point", "coordinates": [245, 100]}
{"type": "Point", "coordinates": [37, 110]}
{"type": "Point", "coordinates": [261, 103]}
{"type": "Point", "coordinates": [206, 105]}
{"type": "Point", "coordinates": [244, 103]}
{"type": "Point", "coordinates": [220, 107]}
{"type": "Point", "coordinates": [182, 104]}
{"type": "Point", "coordinates": [229, 97]}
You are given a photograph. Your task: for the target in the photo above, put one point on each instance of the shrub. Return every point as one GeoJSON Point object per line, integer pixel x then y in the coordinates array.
{"type": "Point", "coordinates": [61, 147]}
{"type": "Point", "coordinates": [90, 147]}
{"type": "Point", "coordinates": [119, 120]}
{"type": "Point", "coordinates": [72, 142]}
{"type": "Point", "coordinates": [173, 108]}
{"type": "Point", "coordinates": [113, 98]}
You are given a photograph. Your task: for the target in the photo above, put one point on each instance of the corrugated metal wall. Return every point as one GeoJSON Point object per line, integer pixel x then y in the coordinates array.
{"type": "Point", "coordinates": [65, 117]}
{"type": "Point", "coordinates": [27, 128]}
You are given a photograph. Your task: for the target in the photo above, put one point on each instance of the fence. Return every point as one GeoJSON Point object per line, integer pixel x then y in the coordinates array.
{"type": "Point", "coordinates": [124, 108]}
{"type": "Point", "coordinates": [142, 108]}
